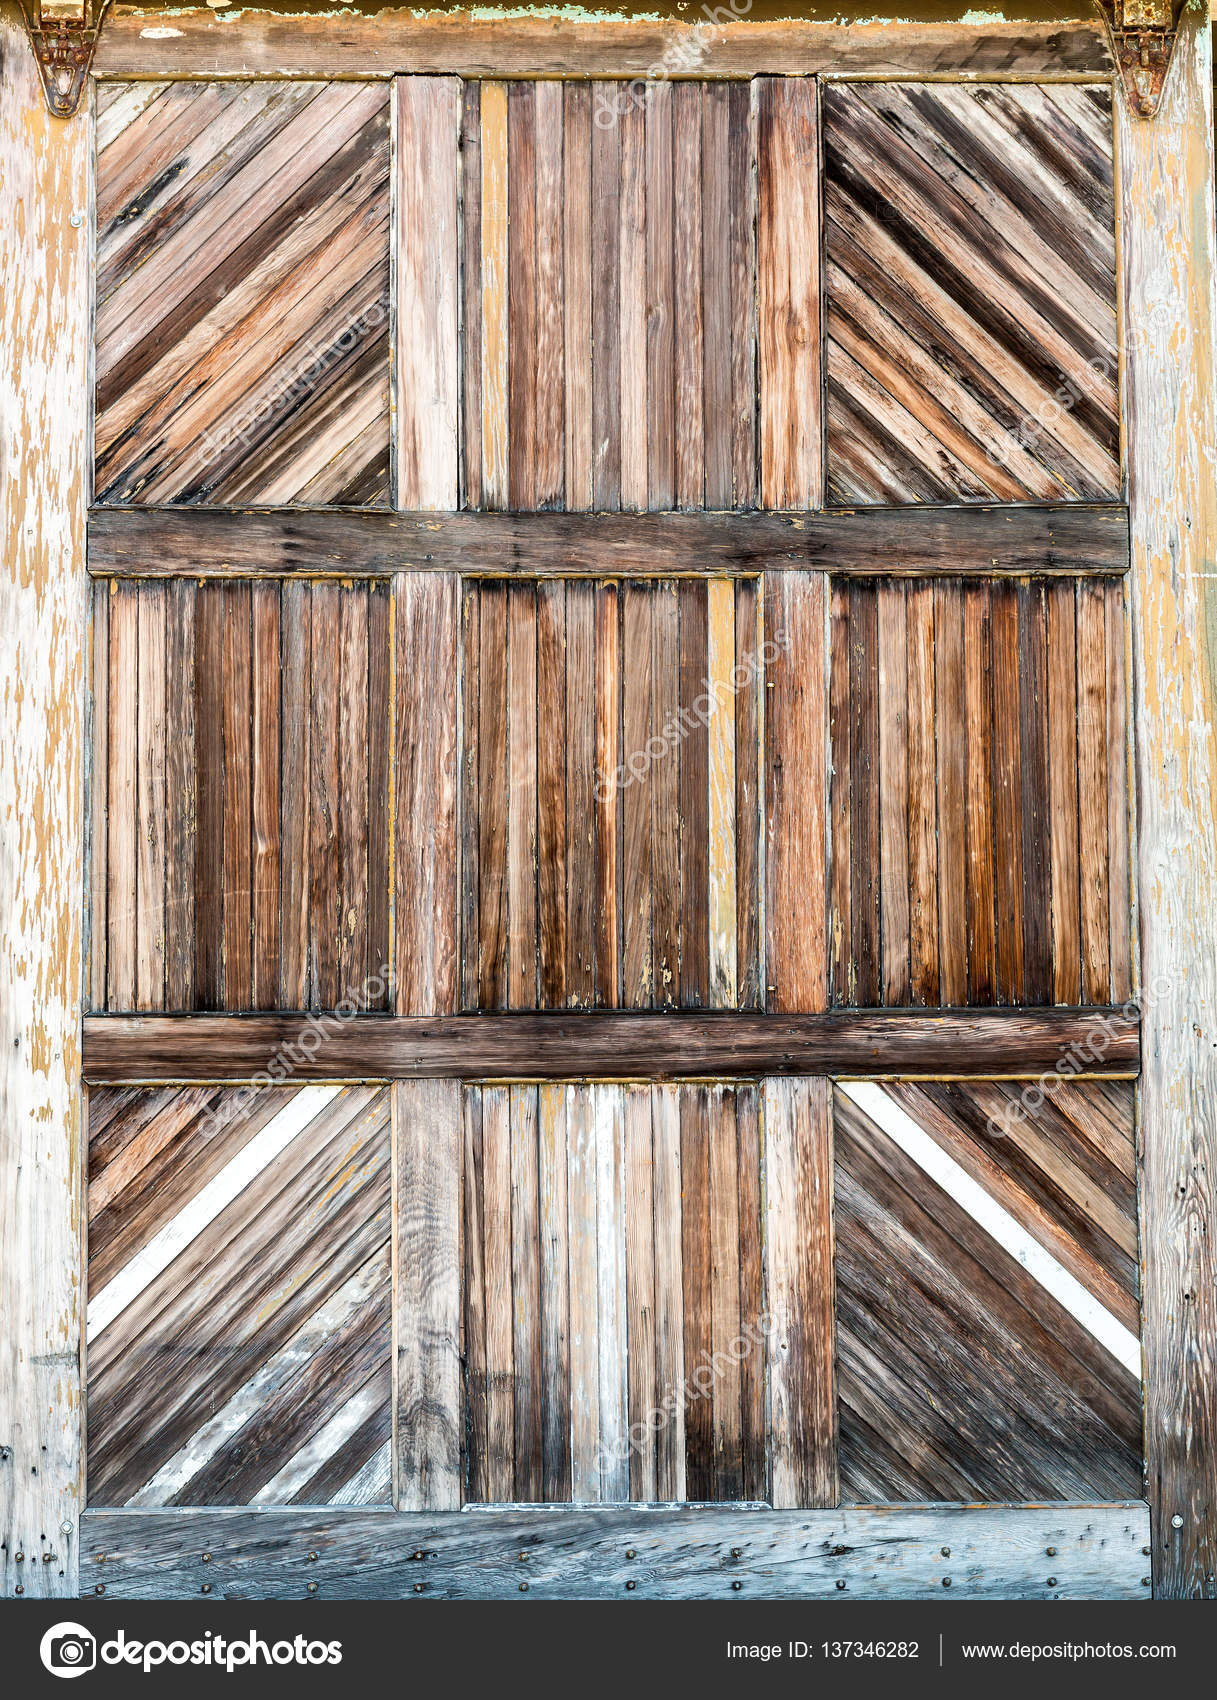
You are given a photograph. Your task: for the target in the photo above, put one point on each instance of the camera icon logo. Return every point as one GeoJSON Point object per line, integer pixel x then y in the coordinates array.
{"type": "Point", "coordinates": [68, 1649]}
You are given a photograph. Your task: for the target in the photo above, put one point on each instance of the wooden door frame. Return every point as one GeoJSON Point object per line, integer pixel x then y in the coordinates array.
{"type": "Point", "coordinates": [1166, 200]}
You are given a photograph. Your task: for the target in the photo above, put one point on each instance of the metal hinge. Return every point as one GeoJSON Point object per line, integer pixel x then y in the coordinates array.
{"type": "Point", "coordinates": [63, 37]}
{"type": "Point", "coordinates": [1142, 35]}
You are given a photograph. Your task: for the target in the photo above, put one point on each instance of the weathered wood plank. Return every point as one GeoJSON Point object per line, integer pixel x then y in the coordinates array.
{"type": "Point", "coordinates": [427, 1217]}
{"type": "Point", "coordinates": [800, 1292]}
{"type": "Point", "coordinates": [878, 1552]}
{"type": "Point", "coordinates": [621, 1046]}
{"type": "Point", "coordinates": [1167, 191]}
{"type": "Point", "coordinates": [44, 355]}
{"type": "Point", "coordinates": [888, 542]}
{"type": "Point", "coordinates": [427, 351]}
{"type": "Point", "coordinates": [204, 44]}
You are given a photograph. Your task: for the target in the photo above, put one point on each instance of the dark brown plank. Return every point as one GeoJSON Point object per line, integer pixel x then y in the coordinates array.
{"type": "Point", "coordinates": [551, 795]}
{"type": "Point", "coordinates": [180, 802]}
{"type": "Point", "coordinates": [209, 747]}
{"type": "Point", "coordinates": [841, 854]}
{"type": "Point", "coordinates": [238, 798]}
{"type": "Point", "coordinates": [606, 296]}
{"type": "Point", "coordinates": [694, 806]}
{"type": "Point", "coordinates": [619, 1045]}
{"type": "Point", "coordinates": [492, 797]}
{"type": "Point", "coordinates": [864, 793]}
{"type": "Point", "coordinates": [1007, 796]}
{"type": "Point", "coordinates": [522, 296]}
{"type": "Point", "coordinates": [918, 541]}
{"type": "Point", "coordinates": [695, 1240]}
{"type": "Point", "coordinates": [265, 755]}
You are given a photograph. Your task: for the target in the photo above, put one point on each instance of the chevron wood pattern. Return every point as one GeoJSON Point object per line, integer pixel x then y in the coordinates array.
{"type": "Point", "coordinates": [970, 288]}
{"type": "Point", "coordinates": [987, 1292]}
{"type": "Point", "coordinates": [242, 318]}
{"type": "Point", "coordinates": [240, 1296]}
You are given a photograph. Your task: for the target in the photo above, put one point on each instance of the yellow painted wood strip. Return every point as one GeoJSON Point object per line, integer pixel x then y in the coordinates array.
{"type": "Point", "coordinates": [494, 295]}
{"type": "Point", "coordinates": [722, 858]}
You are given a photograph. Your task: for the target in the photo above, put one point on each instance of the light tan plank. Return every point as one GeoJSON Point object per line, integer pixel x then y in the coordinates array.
{"type": "Point", "coordinates": [724, 993]}
{"type": "Point", "coordinates": [495, 334]}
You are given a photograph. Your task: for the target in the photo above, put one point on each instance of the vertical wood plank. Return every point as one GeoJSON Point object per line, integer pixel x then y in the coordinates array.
{"type": "Point", "coordinates": [152, 751]}
{"type": "Point", "coordinates": [694, 798]}
{"type": "Point", "coordinates": [354, 815]}
{"type": "Point", "coordinates": [923, 797]}
{"type": "Point", "coordinates": [788, 293]}
{"type": "Point", "coordinates": [978, 707]}
{"type": "Point", "coordinates": [551, 794]}
{"type": "Point", "coordinates": [611, 1295]}
{"type": "Point", "coordinates": [893, 792]}
{"type": "Point", "coordinates": [550, 421]}
{"type": "Point", "coordinates": [1037, 864]}
{"type": "Point", "coordinates": [754, 1456]}
{"type": "Point", "coordinates": [608, 798]}
{"type": "Point", "coordinates": [1166, 172]}
{"type": "Point", "coordinates": [427, 351]}
{"type": "Point", "coordinates": [99, 774]}
{"type": "Point", "coordinates": [500, 1319]}
{"type": "Point", "coordinates": [324, 802]}
{"type": "Point", "coordinates": [521, 296]}
{"type": "Point", "coordinates": [122, 794]}
{"type": "Point", "coordinates": [661, 327]}
{"type": "Point", "coordinates": [640, 1274]}
{"type": "Point", "coordinates": [669, 1291]}
{"type": "Point", "coordinates": [1063, 791]}
{"type": "Point", "coordinates": [723, 874]}
{"type": "Point", "coordinates": [716, 294]}
{"type": "Point", "coordinates": [494, 303]}
{"type": "Point", "coordinates": [799, 1274]}
{"type": "Point", "coordinates": [470, 296]}
{"type": "Point", "coordinates": [663, 784]}
{"type": "Point", "coordinates": [1092, 792]}
{"type": "Point", "coordinates": [427, 1135]}
{"type": "Point", "coordinates": [1118, 871]}
{"type": "Point", "coordinates": [522, 797]}
{"type": "Point", "coordinates": [381, 686]}
{"type": "Point", "coordinates": [238, 796]}
{"type": "Point", "coordinates": [295, 794]}
{"type": "Point", "coordinates": [526, 1229]}
{"type": "Point", "coordinates": [796, 762]}
{"type": "Point", "coordinates": [44, 353]}
{"type": "Point", "coordinates": [749, 665]}
{"type": "Point", "coordinates": [209, 748]}
{"type": "Point", "coordinates": [492, 803]}
{"type": "Point", "coordinates": [581, 794]}
{"type": "Point", "coordinates": [577, 291]}
{"type": "Point", "coordinates": [1007, 796]}
{"type": "Point", "coordinates": [865, 811]}
{"type": "Point", "coordinates": [266, 862]}
{"type": "Point", "coordinates": [950, 713]}
{"type": "Point", "coordinates": [475, 1432]}
{"type": "Point", "coordinates": [637, 876]}
{"type": "Point", "coordinates": [696, 1261]}
{"type": "Point", "coordinates": [687, 297]}
{"type": "Point", "coordinates": [605, 275]}
{"type": "Point", "coordinates": [633, 250]}
{"type": "Point", "coordinates": [840, 830]}
{"type": "Point", "coordinates": [742, 195]}
{"type": "Point", "coordinates": [725, 1282]}
{"type": "Point", "coordinates": [470, 805]}
{"type": "Point", "coordinates": [584, 1295]}
{"type": "Point", "coordinates": [555, 1293]}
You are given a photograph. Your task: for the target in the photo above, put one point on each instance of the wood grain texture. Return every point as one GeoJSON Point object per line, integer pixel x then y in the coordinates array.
{"type": "Point", "coordinates": [623, 1045]}
{"type": "Point", "coordinates": [961, 1375]}
{"type": "Point", "coordinates": [44, 639]}
{"type": "Point", "coordinates": [240, 1297]}
{"type": "Point", "coordinates": [427, 1223]}
{"type": "Point", "coordinates": [879, 1552]}
{"type": "Point", "coordinates": [620, 1213]}
{"type": "Point", "coordinates": [796, 768]}
{"type": "Point", "coordinates": [1039, 541]}
{"type": "Point", "coordinates": [604, 239]}
{"type": "Point", "coordinates": [242, 290]}
{"type": "Point", "coordinates": [426, 927]}
{"type": "Point", "coordinates": [245, 863]}
{"type": "Point", "coordinates": [799, 1285]}
{"type": "Point", "coordinates": [602, 843]}
{"type": "Point", "coordinates": [997, 799]}
{"type": "Point", "coordinates": [971, 295]}
{"type": "Point", "coordinates": [788, 293]}
{"type": "Point", "coordinates": [1166, 176]}
{"type": "Point", "coordinates": [465, 44]}
{"type": "Point", "coordinates": [426, 291]}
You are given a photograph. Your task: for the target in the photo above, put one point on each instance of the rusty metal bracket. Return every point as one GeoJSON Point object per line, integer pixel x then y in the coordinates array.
{"type": "Point", "coordinates": [1142, 35]}
{"type": "Point", "coordinates": [63, 37]}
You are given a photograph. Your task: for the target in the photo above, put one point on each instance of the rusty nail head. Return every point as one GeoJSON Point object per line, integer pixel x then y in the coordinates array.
{"type": "Point", "coordinates": [523, 1587]}
{"type": "Point", "coordinates": [946, 1552]}
{"type": "Point", "coordinates": [737, 1552]}
{"type": "Point", "coordinates": [1051, 1551]}
{"type": "Point", "coordinates": [206, 1558]}
{"type": "Point", "coordinates": [946, 1581]}
{"type": "Point", "coordinates": [1145, 1552]}
{"type": "Point", "coordinates": [312, 1558]}
{"type": "Point", "coordinates": [736, 1585]}
{"type": "Point", "coordinates": [1052, 1581]}
{"type": "Point", "coordinates": [20, 1558]}
{"type": "Point", "coordinates": [1145, 1581]}
{"type": "Point", "coordinates": [100, 1588]}
{"type": "Point", "coordinates": [1176, 1521]}
{"type": "Point", "coordinates": [840, 1582]}
{"type": "Point", "coordinates": [419, 1554]}
{"type": "Point", "coordinates": [630, 1553]}
{"type": "Point", "coordinates": [630, 1586]}
{"type": "Point", "coordinates": [19, 1589]}
{"type": "Point", "coordinates": [523, 1558]}
{"type": "Point", "coordinates": [206, 1588]}
{"type": "Point", "coordinates": [419, 1586]}
{"type": "Point", "coordinates": [311, 1587]}
{"type": "Point", "coordinates": [47, 1557]}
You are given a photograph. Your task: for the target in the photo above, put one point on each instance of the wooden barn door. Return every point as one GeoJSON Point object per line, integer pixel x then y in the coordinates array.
{"type": "Point", "coordinates": [610, 902]}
